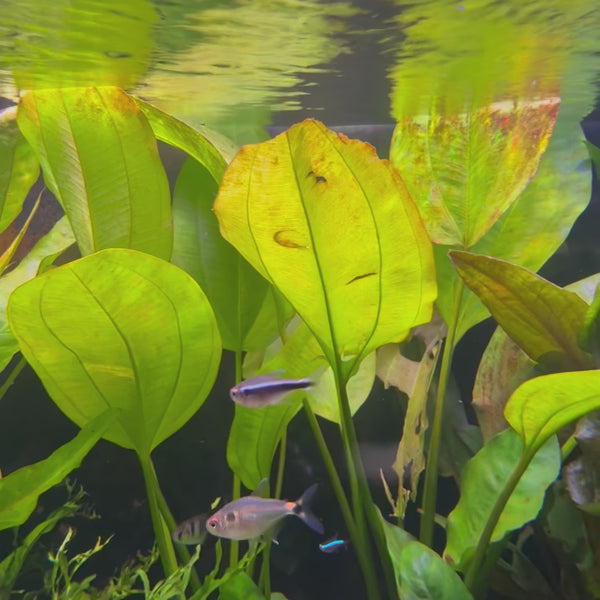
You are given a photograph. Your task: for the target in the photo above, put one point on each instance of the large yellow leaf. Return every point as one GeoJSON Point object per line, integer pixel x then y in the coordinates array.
{"type": "Point", "coordinates": [334, 228]}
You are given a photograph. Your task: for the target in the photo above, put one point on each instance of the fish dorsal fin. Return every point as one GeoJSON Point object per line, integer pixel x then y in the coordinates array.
{"type": "Point", "coordinates": [262, 489]}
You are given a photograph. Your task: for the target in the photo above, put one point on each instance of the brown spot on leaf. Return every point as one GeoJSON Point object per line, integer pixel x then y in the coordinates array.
{"type": "Point", "coordinates": [285, 238]}
{"type": "Point", "coordinates": [361, 277]}
{"type": "Point", "coordinates": [318, 178]}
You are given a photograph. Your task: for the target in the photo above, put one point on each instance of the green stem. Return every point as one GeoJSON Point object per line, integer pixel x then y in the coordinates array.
{"type": "Point", "coordinates": [346, 430]}
{"type": "Point", "coordinates": [234, 546]}
{"type": "Point", "coordinates": [365, 496]}
{"type": "Point", "coordinates": [472, 573]}
{"type": "Point", "coordinates": [433, 453]}
{"type": "Point", "coordinates": [163, 539]}
{"type": "Point", "coordinates": [264, 582]}
{"type": "Point", "coordinates": [182, 551]}
{"type": "Point", "coordinates": [265, 575]}
{"type": "Point", "coordinates": [568, 447]}
{"type": "Point", "coordinates": [12, 376]}
{"type": "Point", "coordinates": [280, 465]}
{"type": "Point", "coordinates": [358, 538]}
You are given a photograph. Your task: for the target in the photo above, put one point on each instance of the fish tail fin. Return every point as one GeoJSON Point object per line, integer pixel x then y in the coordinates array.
{"type": "Point", "coordinates": [302, 509]}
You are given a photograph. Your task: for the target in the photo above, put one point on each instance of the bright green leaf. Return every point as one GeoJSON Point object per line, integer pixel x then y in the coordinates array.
{"type": "Point", "coordinates": [253, 439]}
{"type": "Point", "coordinates": [240, 587]}
{"type": "Point", "coordinates": [55, 241]}
{"type": "Point", "coordinates": [18, 168]}
{"type": "Point", "coordinates": [541, 317]}
{"type": "Point", "coordinates": [19, 490]}
{"type": "Point", "coordinates": [99, 158]}
{"type": "Point", "coordinates": [420, 573]}
{"type": "Point", "coordinates": [155, 349]}
{"type": "Point", "coordinates": [483, 479]}
{"type": "Point", "coordinates": [464, 171]}
{"type": "Point", "coordinates": [542, 406]}
{"type": "Point", "coordinates": [243, 300]}
{"type": "Point", "coordinates": [424, 575]}
{"type": "Point", "coordinates": [336, 232]}
{"type": "Point", "coordinates": [207, 147]}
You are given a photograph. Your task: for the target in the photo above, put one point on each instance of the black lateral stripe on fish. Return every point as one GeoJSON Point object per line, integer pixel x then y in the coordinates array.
{"type": "Point", "coordinates": [265, 390]}
{"type": "Point", "coordinates": [250, 517]}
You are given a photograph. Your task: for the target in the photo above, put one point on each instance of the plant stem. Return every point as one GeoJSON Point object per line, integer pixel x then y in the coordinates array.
{"type": "Point", "coordinates": [265, 575]}
{"type": "Point", "coordinates": [365, 494]}
{"type": "Point", "coordinates": [568, 447]}
{"type": "Point", "coordinates": [264, 582]}
{"type": "Point", "coordinates": [12, 376]}
{"type": "Point", "coordinates": [358, 538]}
{"type": "Point", "coordinates": [433, 451]}
{"type": "Point", "coordinates": [280, 465]}
{"type": "Point", "coordinates": [235, 489]}
{"type": "Point", "coordinates": [182, 551]}
{"type": "Point", "coordinates": [346, 431]}
{"type": "Point", "coordinates": [163, 539]}
{"type": "Point", "coordinates": [472, 573]}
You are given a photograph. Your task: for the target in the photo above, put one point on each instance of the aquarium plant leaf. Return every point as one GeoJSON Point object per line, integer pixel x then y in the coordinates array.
{"type": "Point", "coordinates": [12, 564]}
{"type": "Point", "coordinates": [209, 148]}
{"type": "Point", "coordinates": [565, 524]}
{"type": "Point", "coordinates": [424, 575]}
{"type": "Point", "coordinates": [99, 158]}
{"type": "Point", "coordinates": [541, 406]}
{"type": "Point", "coordinates": [19, 490]}
{"type": "Point", "coordinates": [420, 573]}
{"type": "Point", "coordinates": [55, 241]}
{"type": "Point", "coordinates": [594, 153]}
{"type": "Point", "coordinates": [255, 433]}
{"type": "Point", "coordinates": [243, 301]}
{"type": "Point", "coordinates": [483, 479]}
{"type": "Point", "coordinates": [240, 587]}
{"type": "Point", "coordinates": [460, 440]}
{"type": "Point", "coordinates": [589, 332]}
{"type": "Point", "coordinates": [541, 317]}
{"type": "Point", "coordinates": [413, 378]}
{"type": "Point", "coordinates": [7, 256]}
{"type": "Point", "coordinates": [465, 170]}
{"type": "Point", "coordinates": [533, 227]}
{"type": "Point", "coordinates": [504, 366]}
{"type": "Point", "coordinates": [253, 439]}
{"type": "Point", "coordinates": [19, 168]}
{"type": "Point", "coordinates": [155, 349]}
{"type": "Point", "coordinates": [502, 369]}
{"type": "Point", "coordinates": [336, 232]}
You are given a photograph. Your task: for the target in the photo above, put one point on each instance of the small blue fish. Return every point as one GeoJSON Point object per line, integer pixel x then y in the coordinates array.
{"type": "Point", "coordinates": [251, 516]}
{"type": "Point", "coordinates": [265, 390]}
{"type": "Point", "coordinates": [333, 545]}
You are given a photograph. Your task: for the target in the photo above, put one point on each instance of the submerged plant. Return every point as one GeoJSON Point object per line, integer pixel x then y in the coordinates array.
{"type": "Point", "coordinates": [128, 344]}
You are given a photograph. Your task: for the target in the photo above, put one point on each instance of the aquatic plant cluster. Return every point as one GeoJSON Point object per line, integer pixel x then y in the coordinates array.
{"type": "Point", "coordinates": [318, 265]}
